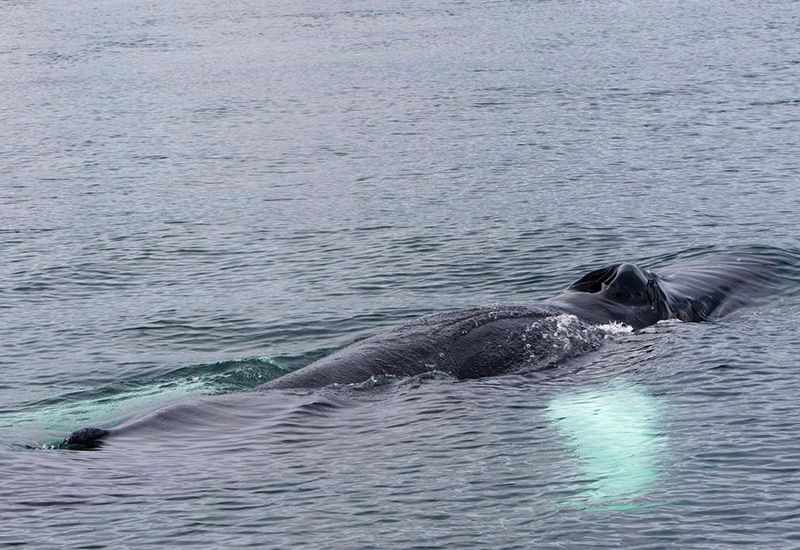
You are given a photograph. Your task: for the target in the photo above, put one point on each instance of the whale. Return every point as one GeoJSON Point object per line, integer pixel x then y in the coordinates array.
{"type": "Point", "coordinates": [491, 340]}
{"type": "Point", "coordinates": [496, 339]}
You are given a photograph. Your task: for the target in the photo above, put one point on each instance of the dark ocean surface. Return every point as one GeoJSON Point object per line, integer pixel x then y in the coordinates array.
{"type": "Point", "coordinates": [198, 197]}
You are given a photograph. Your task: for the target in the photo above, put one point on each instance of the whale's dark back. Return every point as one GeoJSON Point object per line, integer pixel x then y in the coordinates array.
{"type": "Point", "coordinates": [470, 343]}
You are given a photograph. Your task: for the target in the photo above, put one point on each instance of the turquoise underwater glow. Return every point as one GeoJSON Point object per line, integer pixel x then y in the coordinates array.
{"type": "Point", "coordinates": [617, 441]}
{"type": "Point", "coordinates": [113, 405]}
{"type": "Point", "coordinates": [107, 410]}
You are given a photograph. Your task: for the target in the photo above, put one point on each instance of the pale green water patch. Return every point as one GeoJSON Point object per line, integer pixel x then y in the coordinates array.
{"type": "Point", "coordinates": [617, 439]}
{"type": "Point", "coordinates": [112, 405]}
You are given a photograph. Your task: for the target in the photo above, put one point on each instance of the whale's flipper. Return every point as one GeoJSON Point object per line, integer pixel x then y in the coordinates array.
{"type": "Point", "coordinates": [84, 439]}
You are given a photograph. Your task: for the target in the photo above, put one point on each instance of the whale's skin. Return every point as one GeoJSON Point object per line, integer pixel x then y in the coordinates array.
{"type": "Point", "coordinates": [469, 343]}
{"type": "Point", "coordinates": [491, 340]}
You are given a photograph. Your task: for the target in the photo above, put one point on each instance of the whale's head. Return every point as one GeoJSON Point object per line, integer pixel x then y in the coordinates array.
{"type": "Point", "coordinates": [622, 283]}
{"type": "Point", "coordinates": [618, 292]}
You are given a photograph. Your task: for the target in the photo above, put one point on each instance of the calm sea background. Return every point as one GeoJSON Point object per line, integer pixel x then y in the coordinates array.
{"type": "Point", "coordinates": [197, 197]}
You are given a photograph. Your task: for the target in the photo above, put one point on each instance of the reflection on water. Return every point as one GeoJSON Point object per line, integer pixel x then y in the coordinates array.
{"type": "Point", "coordinates": [617, 438]}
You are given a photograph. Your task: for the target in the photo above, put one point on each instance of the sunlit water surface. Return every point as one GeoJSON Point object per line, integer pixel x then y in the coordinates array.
{"type": "Point", "coordinates": [197, 198]}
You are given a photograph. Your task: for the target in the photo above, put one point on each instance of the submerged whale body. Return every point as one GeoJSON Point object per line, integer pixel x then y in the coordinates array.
{"type": "Point", "coordinates": [487, 341]}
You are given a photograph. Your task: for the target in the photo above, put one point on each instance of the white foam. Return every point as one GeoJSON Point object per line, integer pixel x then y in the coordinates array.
{"type": "Point", "coordinates": [615, 327]}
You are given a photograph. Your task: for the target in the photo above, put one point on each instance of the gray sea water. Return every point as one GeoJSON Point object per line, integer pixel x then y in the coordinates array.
{"type": "Point", "coordinates": [197, 197]}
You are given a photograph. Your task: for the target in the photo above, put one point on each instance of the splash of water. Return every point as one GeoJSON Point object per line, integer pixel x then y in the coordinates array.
{"type": "Point", "coordinates": [617, 442]}
{"type": "Point", "coordinates": [553, 339]}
